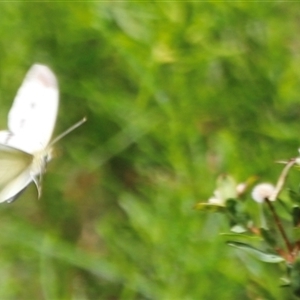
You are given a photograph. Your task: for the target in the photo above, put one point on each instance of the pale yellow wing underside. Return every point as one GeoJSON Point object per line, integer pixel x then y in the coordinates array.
{"type": "Point", "coordinates": [14, 171]}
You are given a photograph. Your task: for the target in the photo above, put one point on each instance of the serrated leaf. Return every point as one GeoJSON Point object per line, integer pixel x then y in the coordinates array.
{"type": "Point", "coordinates": [258, 254]}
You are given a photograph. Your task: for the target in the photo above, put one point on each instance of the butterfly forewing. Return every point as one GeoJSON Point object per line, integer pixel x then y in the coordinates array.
{"type": "Point", "coordinates": [33, 113]}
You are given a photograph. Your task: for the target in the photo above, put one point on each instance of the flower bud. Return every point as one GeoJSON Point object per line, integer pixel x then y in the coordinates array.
{"type": "Point", "coordinates": [262, 191]}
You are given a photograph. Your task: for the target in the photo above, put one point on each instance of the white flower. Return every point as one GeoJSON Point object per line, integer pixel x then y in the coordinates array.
{"type": "Point", "coordinates": [216, 198]}
{"type": "Point", "coordinates": [241, 188]}
{"type": "Point", "coordinates": [262, 191]}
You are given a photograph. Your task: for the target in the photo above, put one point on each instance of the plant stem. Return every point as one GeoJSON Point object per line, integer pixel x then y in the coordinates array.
{"type": "Point", "coordinates": [280, 227]}
{"type": "Point", "coordinates": [282, 179]}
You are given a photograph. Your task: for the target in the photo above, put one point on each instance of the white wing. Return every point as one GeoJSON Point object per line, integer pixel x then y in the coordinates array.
{"type": "Point", "coordinates": [31, 122]}
{"type": "Point", "coordinates": [32, 116]}
{"type": "Point", "coordinates": [14, 188]}
{"type": "Point", "coordinates": [7, 138]}
{"type": "Point", "coordinates": [15, 172]}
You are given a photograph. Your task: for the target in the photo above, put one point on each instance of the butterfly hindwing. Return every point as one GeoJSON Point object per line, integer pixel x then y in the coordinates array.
{"type": "Point", "coordinates": [14, 171]}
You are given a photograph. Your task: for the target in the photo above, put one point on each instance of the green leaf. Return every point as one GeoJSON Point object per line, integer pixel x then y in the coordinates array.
{"type": "Point", "coordinates": [231, 205]}
{"type": "Point", "coordinates": [294, 196]}
{"type": "Point", "coordinates": [268, 236]}
{"type": "Point", "coordinates": [238, 229]}
{"type": "Point", "coordinates": [296, 216]}
{"type": "Point", "coordinates": [258, 254]}
{"type": "Point", "coordinates": [295, 278]}
{"type": "Point", "coordinates": [241, 236]}
{"type": "Point", "coordinates": [285, 282]}
{"type": "Point", "coordinates": [296, 233]}
{"type": "Point", "coordinates": [210, 207]}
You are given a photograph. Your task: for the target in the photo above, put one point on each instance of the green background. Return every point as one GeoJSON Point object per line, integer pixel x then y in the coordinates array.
{"type": "Point", "coordinates": [175, 93]}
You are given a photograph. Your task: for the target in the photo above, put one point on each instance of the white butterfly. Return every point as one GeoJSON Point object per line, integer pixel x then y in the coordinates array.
{"type": "Point", "coordinates": [24, 147]}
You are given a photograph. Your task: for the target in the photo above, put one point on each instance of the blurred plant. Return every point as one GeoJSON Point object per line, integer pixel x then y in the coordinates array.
{"type": "Point", "coordinates": [272, 224]}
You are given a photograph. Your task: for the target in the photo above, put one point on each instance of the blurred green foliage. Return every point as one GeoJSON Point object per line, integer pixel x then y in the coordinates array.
{"type": "Point", "coordinates": [175, 93]}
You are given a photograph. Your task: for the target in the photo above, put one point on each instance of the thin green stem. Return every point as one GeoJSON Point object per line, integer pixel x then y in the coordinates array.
{"type": "Point", "coordinates": [280, 227]}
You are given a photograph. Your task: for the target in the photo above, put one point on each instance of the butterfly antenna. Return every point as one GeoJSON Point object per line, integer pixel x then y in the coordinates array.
{"type": "Point", "coordinates": [68, 130]}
